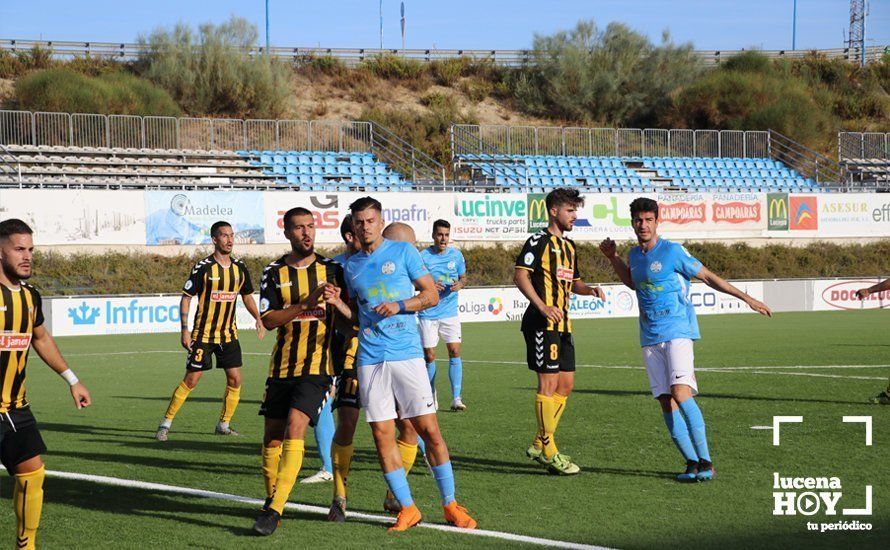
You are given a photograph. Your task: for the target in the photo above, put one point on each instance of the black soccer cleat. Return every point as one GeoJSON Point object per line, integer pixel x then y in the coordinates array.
{"type": "Point", "coordinates": [267, 522]}
{"type": "Point", "coordinates": [337, 513]}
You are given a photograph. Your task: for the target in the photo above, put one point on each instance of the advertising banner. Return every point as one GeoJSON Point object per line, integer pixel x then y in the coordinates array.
{"type": "Point", "coordinates": [66, 216]}
{"type": "Point", "coordinates": [185, 217]}
{"type": "Point", "coordinates": [841, 295]}
{"type": "Point", "coordinates": [493, 216]}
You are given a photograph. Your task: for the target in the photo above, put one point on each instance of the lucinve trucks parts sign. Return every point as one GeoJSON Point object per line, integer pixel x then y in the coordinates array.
{"type": "Point", "coordinates": [102, 217]}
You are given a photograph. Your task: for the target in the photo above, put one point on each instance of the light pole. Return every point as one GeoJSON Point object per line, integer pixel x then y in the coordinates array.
{"type": "Point", "coordinates": [267, 27]}
{"type": "Point", "coordinates": [794, 27]}
{"type": "Point", "coordinates": [381, 24]}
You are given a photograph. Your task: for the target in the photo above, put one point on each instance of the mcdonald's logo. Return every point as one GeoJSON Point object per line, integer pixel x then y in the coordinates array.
{"type": "Point", "coordinates": [777, 211]}
{"type": "Point", "coordinates": [537, 211]}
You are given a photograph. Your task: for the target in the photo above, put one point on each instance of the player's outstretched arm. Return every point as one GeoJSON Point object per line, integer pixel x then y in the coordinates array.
{"type": "Point", "coordinates": [581, 288]}
{"type": "Point", "coordinates": [185, 335]}
{"type": "Point", "coordinates": [275, 318]}
{"type": "Point", "coordinates": [47, 349]}
{"type": "Point", "coordinates": [864, 293]}
{"type": "Point", "coordinates": [610, 251]}
{"type": "Point", "coordinates": [718, 283]}
{"type": "Point", "coordinates": [523, 281]}
{"type": "Point", "coordinates": [250, 304]}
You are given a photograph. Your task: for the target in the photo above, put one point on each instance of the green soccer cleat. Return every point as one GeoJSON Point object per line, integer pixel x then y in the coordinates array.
{"type": "Point", "coordinates": [562, 465]}
{"type": "Point", "coordinates": [882, 398]}
{"type": "Point", "coordinates": [535, 454]}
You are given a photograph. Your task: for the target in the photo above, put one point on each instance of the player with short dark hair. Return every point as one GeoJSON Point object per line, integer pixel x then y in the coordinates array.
{"type": "Point", "coordinates": [299, 296]}
{"type": "Point", "coordinates": [216, 281]}
{"type": "Point", "coordinates": [21, 328]}
{"type": "Point", "coordinates": [393, 382]}
{"type": "Point", "coordinates": [449, 271]}
{"type": "Point", "coordinates": [547, 274]}
{"type": "Point", "coordinates": [660, 271]}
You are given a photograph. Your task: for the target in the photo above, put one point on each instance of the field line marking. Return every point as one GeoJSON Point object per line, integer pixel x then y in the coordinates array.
{"type": "Point", "coordinates": [134, 484]}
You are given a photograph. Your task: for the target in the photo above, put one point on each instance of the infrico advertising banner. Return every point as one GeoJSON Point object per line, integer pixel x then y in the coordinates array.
{"type": "Point", "coordinates": [83, 217]}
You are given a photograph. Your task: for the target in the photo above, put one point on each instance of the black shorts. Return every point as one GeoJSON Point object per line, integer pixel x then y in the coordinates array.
{"type": "Point", "coordinates": [19, 438]}
{"type": "Point", "coordinates": [549, 351]}
{"type": "Point", "coordinates": [307, 394]}
{"type": "Point", "coordinates": [228, 356]}
{"type": "Point", "coordinates": [347, 390]}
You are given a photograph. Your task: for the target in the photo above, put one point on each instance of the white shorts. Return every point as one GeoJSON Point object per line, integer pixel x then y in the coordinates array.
{"type": "Point", "coordinates": [448, 328]}
{"type": "Point", "coordinates": [668, 364]}
{"type": "Point", "coordinates": [391, 385]}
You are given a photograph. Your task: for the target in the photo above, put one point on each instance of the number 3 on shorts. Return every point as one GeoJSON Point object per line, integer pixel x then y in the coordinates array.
{"type": "Point", "coordinates": [554, 352]}
{"type": "Point", "coordinates": [199, 355]}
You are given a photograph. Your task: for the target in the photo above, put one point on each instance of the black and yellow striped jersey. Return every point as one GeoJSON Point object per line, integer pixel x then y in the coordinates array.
{"type": "Point", "coordinates": [217, 289]}
{"type": "Point", "coordinates": [20, 313]}
{"type": "Point", "coordinates": [303, 346]}
{"type": "Point", "coordinates": [553, 264]}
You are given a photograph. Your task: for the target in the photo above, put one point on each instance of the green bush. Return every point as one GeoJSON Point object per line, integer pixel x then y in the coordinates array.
{"type": "Point", "coordinates": [120, 273]}
{"type": "Point", "coordinates": [615, 77]}
{"type": "Point", "coordinates": [14, 64]}
{"type": "Point", "coordinates": [211, 73]}
{"type": "Point", "coordinates": [446, 72]}
{"type": "Point", "coordinates": [476, 89]}
{"type": "Point", "coordinates": [63, 90]}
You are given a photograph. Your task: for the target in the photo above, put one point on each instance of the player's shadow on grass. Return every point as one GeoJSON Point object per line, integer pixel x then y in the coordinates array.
{"type": "Point", "coordinates": [135, 503]}
{"type": "Point", "coordinates": [166, 399]}
{"type": "Point", "coordinates": [106, 431]}
{"type": "Point", "coordinates": [720, 396]}
{"type": "Point", "coordinates": [163, 462]}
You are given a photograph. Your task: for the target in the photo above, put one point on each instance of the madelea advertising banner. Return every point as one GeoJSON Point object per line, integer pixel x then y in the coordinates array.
{"type": "Point", "coordinates": [185, 217]}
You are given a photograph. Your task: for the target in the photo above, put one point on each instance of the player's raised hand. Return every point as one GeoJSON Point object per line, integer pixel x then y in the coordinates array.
{"type": "Point", "coordinates": [81, 396]}
{"type": "Point", "coordinates": [386, 309]}
{"type": "Point", "coordinates": [759, 307]}
{"type": "Point", "coordinates": [608, 248]}
{"type": "Point", "coordinates": [862, 293]}
{"type": "Point", "coordinates": [552, 313]}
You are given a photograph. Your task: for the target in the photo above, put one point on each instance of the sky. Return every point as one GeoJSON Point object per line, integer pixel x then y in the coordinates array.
{"type": "Point", "coordinates": [453, 24]}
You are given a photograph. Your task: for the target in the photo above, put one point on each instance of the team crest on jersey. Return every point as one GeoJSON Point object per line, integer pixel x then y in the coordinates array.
{"type": "Point", "coordinates": [451, 264]}
{"type": "Point", "coordinates": [388, 268]}
{"type": "Point", "coordinates": [189, 284]}
{"type": "Point", "coordinates": [220, 296]}
{"type": "Point", "coordinates": [529, 258]}
{"type": "Point", "coordinates": [655, 266]}
{"type": "Point", "coordinates": [264, 304]}
{"type": "Point", "coordinates": [14, 341]}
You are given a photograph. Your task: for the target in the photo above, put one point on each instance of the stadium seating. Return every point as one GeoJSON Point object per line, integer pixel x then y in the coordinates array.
{"type": "Point", "coordinates": [635, 174]}
{"type": "Point", "coordinates": [326, 170]}
{"type": "Point", "coordinates": [102, 167]}
{"type": "Point", "coordinates": [874, 171]}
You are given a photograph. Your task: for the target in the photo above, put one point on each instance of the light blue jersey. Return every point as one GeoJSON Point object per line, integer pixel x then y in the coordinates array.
{"type": "Point", "coordinates": [446, 268]}
{"type": "Point", "coordinates": [385, 275]}
{"type": "Point", "coordinates": [662, 279]}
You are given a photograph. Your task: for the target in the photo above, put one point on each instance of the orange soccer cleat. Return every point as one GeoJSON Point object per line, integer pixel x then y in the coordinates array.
{"type": "Point", "coordinates": [457, 515]}
{"type": "Point", "coordinates": [408, 518]}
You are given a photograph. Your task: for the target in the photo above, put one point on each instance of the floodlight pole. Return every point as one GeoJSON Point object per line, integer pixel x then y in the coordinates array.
{"type": "Point", "coordinates": [381, 24]}
{"type": "Point", "coordinates": [794, 27]}
{"type": "Point", "coordinates": [267, 27]}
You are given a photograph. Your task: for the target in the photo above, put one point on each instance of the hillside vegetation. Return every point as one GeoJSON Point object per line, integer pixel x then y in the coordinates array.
{"type": "Point", "coordinates": [586, 76]}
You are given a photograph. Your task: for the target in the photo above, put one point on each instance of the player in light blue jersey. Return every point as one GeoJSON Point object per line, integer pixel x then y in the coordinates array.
{"type": "Point", "coordinates": [382, 278]}
{"type": "Point", "coordinates": [660, 272]}
{"type": "Point", "coordinates": [449, 271]}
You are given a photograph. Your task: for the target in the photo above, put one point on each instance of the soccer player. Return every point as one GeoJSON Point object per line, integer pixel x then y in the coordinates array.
{"type": "Point", "coordinates": [547, 274]}
{"type": "Point", "coordinates": [217, 280]}
{"type": "Point", "coordinates": [882, 398]}
{"type": "Point", "coordinates": [382, 278]}
{"type": "Point", "coordinates": [21, 328]}
{"type": "Point", "coordinates": [299, 296]}
{"type": "Point", "coordinates": [449, 271]}
{"type": "Point", "coordinates": [660, 272]}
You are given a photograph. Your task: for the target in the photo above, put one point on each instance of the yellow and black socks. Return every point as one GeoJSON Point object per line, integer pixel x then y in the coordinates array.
{"type": "Point", "coordinates": [271, 459]}
{"type": "Point", "coordinates": [179, 396]}
{"type": "Point", "coordinates": [342, 457]}
{"type": "Point", "coordinates": [409, 455]}
{"type": "Point", "coordinates": [561, 401]}
{"type": "Point", "coordinates": [230, 403]}
{"type": "Point", "coordinates": [28, 501]}
{"type": "Point", "coordinates": [545, 412]}
{"type": "Point", "coordinates": [288, 468]}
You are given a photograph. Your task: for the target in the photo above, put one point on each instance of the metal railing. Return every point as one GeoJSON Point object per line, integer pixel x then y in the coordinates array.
{"type": "Point", "coordinates": [473, 140]}
{"type": "Point", "coordinates": [863, 145]}
{"type": "Point", "coordinates": [354, 56]}
{"type": "Point", "coordinates": [807, 162]}
{"type": "Point", "coordinates": [206, 134]}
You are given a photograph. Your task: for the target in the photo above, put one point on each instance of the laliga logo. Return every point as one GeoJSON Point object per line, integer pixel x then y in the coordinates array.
{"type": "Point", "coordinates": [808, 496]}
{"type": "Point", "coordinates": [495, 305]}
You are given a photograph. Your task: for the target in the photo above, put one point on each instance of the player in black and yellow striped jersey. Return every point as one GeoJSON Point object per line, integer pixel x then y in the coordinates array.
{"type": "Point", "coordinates": [21, 328]}
{"type": "Point", "coordinates": [547, 274]}
{"type": "Point", "coordinates": [216, 281]}
{"type": "Point", "coordinates": [300, 297]}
